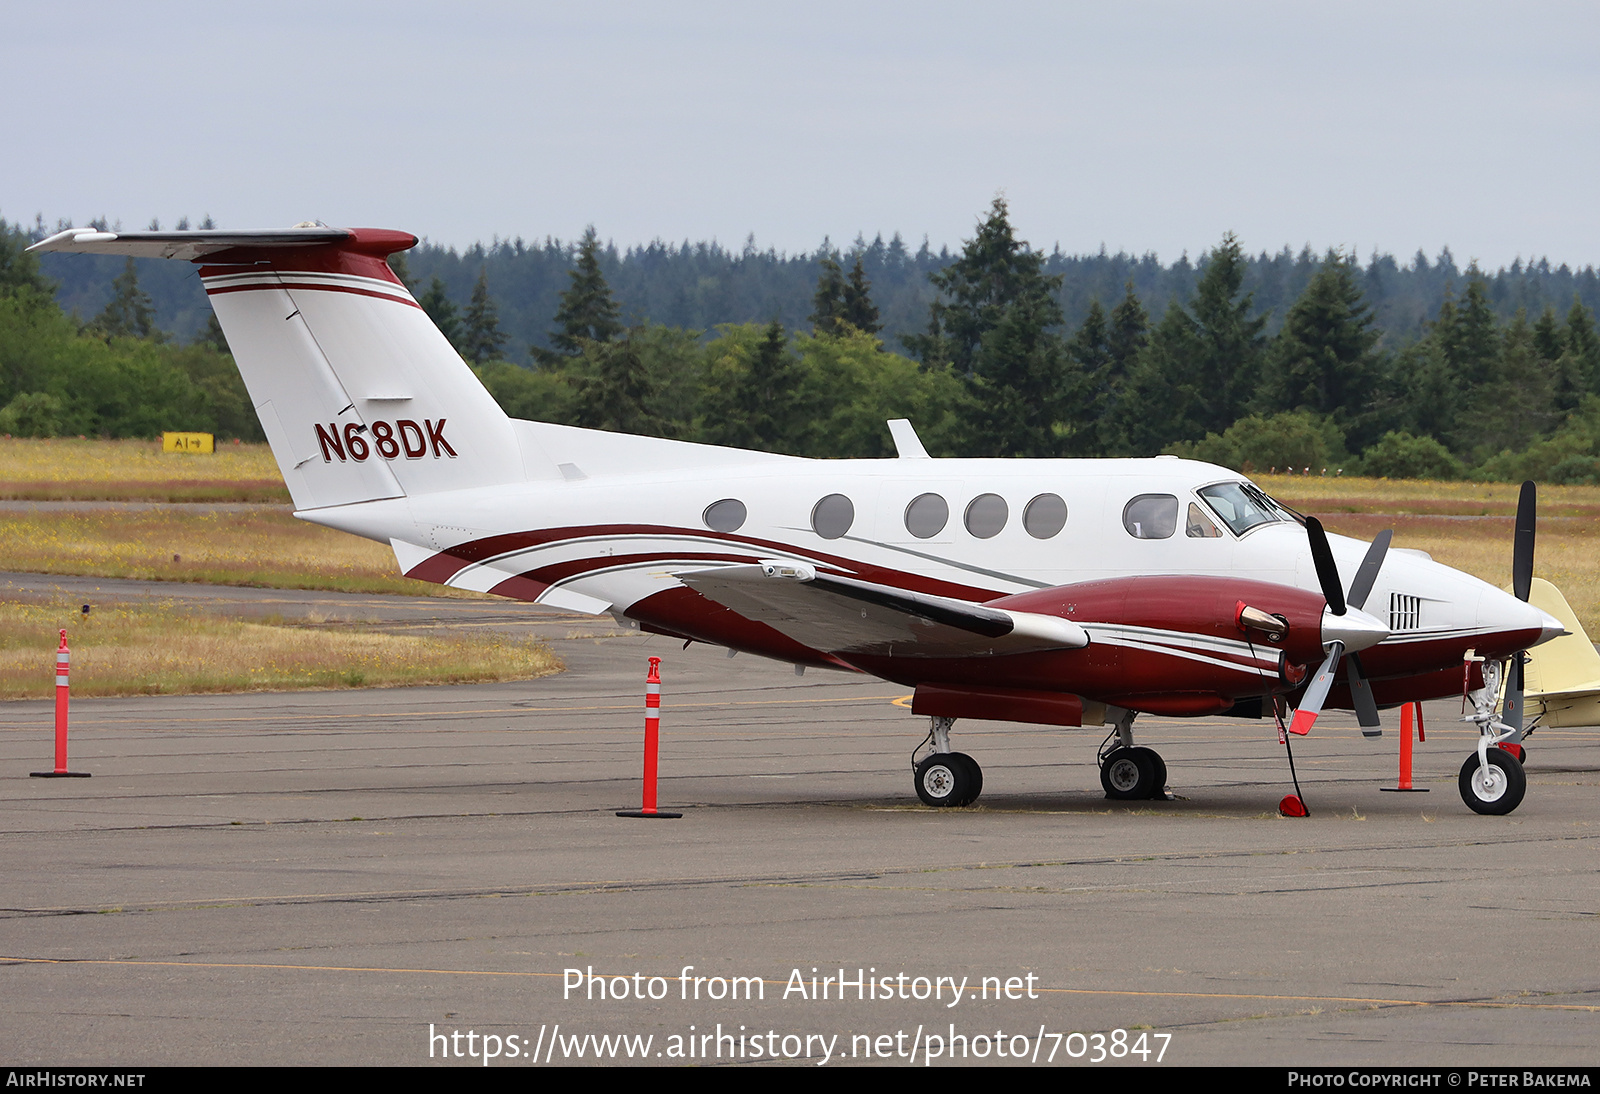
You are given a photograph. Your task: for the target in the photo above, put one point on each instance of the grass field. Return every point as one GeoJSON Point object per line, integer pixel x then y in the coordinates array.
{"type": "Point", "coordinates": [157, 649]}
{"type": "Point", "coordinates": [1466, 525]}
{"type": "Point", "coordinates": [262, 546]}
{"type": "Point", "coordinates": [65, 469]}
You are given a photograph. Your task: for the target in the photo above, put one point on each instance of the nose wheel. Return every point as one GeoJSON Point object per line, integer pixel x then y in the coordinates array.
{"type": "Point", "coordinates": [1492, 780]}
{"type": "Point", "coordinates": [1494, 787]}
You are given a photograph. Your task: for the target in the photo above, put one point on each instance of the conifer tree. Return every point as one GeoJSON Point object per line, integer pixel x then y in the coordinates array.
{"type": "Point", "coordinates": [212, 335]}
{"type": "Point", "coordinates": [857, 307]}
{"type": "Point", "coordinates": [401, 268]}
{"type": "Point", "coordinates": [1567, 371]}
{"type": "Point", "coordinates": [129, 313]}
{"type": "Point", "coordinates": [766, 399]}
{"type": "Point", "coordinates": [1516, 402]}
{"type": "Point", "coordinates": [481, 337]}
{"type": "Point", "coordinates": [1126, 338]}
{"type": "Point", "coordinates": [1202, 364]}
{"type": "Point", "coordinates": [1584, 344]}
{"type": "Point", "coordinates": [1323, 359]}
{"type": "Point", "coordinates": [436, 304]}
{"type": "Point", "coordinates": [997, 325]}
{"type": "Point", "coordinates": [1547, 335]}
{"type": "Point", "coordinates": [1228, 339]}
{"type": "Point", "coordinates": [1091, 351]}
{"type": "Point", "coordinates": [827, 305]}
{"type": "Point", "coordinates": [1130, 331]}
{"type": "Point", "coordinates": [588, 313]}
{"type": "Point", "coordinates": [1470, 335]}
{"type": "Point", "coordinates": [19, 270]}
{"type": "Point", "coordinates": [614, 387]}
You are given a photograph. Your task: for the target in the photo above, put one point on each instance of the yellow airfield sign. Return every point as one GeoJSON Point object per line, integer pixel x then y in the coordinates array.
{"type": "Point", "coordinates": [202, 443]}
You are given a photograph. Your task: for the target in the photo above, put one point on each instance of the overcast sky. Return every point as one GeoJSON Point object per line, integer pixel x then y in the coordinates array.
{"type": "Point", "coordinates": [1142, 126]}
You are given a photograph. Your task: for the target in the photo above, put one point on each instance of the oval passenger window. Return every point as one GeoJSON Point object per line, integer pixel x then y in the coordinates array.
{"type": "Point", "coordinates": [927, 515]}
{"type": "Point", "coordinates": [833, 516]}
{"type": "Point", "coordinates": [1045, 516]}
{"type": "Point", "coordinates": [726, 515]}
{"type": "Point", "coordinates": [1151, 516]}
{"type": "Point", "coordinates": [986, 515]}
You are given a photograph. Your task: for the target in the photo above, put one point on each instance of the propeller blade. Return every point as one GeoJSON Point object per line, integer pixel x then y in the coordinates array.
{"type": "Point", "coordinates": [1512, 707]}
{"type": "Point", "coordinates": [1361, 698]}
{"type": "Point", "coordinates": [1305, 716]}
{"type": "Point", "coordinates": [1361, 587]}
{"type": "Point", "coordinates": [1327, 569]}
{"type": "Point", "coordinates": [1522, 546]}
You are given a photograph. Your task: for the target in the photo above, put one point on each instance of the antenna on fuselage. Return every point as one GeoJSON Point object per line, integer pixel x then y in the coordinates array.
{"type": "Point", "coordinates": [907, 445]}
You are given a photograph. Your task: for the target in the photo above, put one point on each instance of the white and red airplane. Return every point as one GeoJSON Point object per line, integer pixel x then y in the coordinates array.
{"type": "Point", "coordinates": [1059, 592]}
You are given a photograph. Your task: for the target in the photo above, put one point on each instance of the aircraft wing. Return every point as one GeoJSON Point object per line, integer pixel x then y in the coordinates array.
{"type": "Point", "coordinates": [845, 615]}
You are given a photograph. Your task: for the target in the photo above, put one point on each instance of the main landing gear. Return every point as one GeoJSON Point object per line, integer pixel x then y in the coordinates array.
{"type": "Point", "coordinates": [1127, 772]}
{"type": "Point", "coordinates": [1492, 780]}
{"type": "Point", "coordinates": [945, 777]}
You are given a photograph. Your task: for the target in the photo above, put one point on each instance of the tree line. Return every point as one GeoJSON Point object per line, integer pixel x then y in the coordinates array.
{"type": "Point", "coordinates": [994, 363]}
{"type": "Point", "coordinates": [998, 371]}
{"type": "Point", "coordinates": [699, 285]}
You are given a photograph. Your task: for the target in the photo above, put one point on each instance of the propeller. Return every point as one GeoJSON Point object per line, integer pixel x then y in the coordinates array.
{"type": "Point", "coordinates": [1339, 605]}
{"type": "Point", "coordinates": [1521, 584]}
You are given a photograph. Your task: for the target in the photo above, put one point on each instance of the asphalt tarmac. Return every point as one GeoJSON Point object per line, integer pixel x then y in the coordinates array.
{"type": "Point", "coordinates": [404, 877]}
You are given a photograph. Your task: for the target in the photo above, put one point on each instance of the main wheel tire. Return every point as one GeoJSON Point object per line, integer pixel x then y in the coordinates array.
{"type": "Point", "coordinates": [1496, 788]}
{"type": "Point", "coordinates": [974, 775]}
{"type": "Point", "coordinates": [1158, 773]}
{"type": "Point", "coordinates": [1128, 774]}
{"type": "Point", "coordinates": [945, 778]}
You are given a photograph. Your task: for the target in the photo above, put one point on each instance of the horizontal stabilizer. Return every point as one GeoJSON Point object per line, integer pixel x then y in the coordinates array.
{"type": "Point", "coordinates": [189, 245]}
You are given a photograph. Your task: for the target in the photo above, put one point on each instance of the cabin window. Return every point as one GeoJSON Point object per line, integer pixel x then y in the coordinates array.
{"type": "Point", "coordinates": [1045, 516]}
{"type": "Point", "coordinates": [726, 515]}
{"type": "Point", "coordinates": [832, 516]}
{"type": "Point", "coordinates": [1200, 526]}
{"type": "Point", "coordinates": [986, 515]}
{"type": "Point", "coordinates": [1151, 516]}
{"type": "Point", "coordinates": [927, 515]}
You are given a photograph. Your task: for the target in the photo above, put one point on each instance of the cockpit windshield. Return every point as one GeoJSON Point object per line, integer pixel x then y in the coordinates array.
{"type": "Point", "coordinates": [1242, 506]}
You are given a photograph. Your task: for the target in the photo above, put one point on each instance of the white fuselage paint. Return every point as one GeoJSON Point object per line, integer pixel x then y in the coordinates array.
{"type": "Point", "coordinates": [779, 496]}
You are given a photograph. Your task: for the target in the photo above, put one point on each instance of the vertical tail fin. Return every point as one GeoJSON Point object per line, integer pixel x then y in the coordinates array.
{"type": "Point", "coordinates": [360, 395]}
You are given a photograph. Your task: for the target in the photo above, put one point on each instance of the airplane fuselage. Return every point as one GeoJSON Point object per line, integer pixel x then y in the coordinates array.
{"type": "Point", "coordinates": [974, 529]}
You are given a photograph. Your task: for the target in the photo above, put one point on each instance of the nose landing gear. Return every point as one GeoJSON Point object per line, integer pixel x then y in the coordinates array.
{"type": "Point", "coordinates": [1492, 780]}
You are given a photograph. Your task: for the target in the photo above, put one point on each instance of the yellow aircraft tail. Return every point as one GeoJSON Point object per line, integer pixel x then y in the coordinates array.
{"type": "Point", "coordinates": [1563, 676]}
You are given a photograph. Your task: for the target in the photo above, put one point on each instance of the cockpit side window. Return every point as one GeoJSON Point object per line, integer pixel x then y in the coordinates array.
{"type": "Point", "coordinates": [1200, 526]}
{"type": "Point", "coordinates": [1151, 516]}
